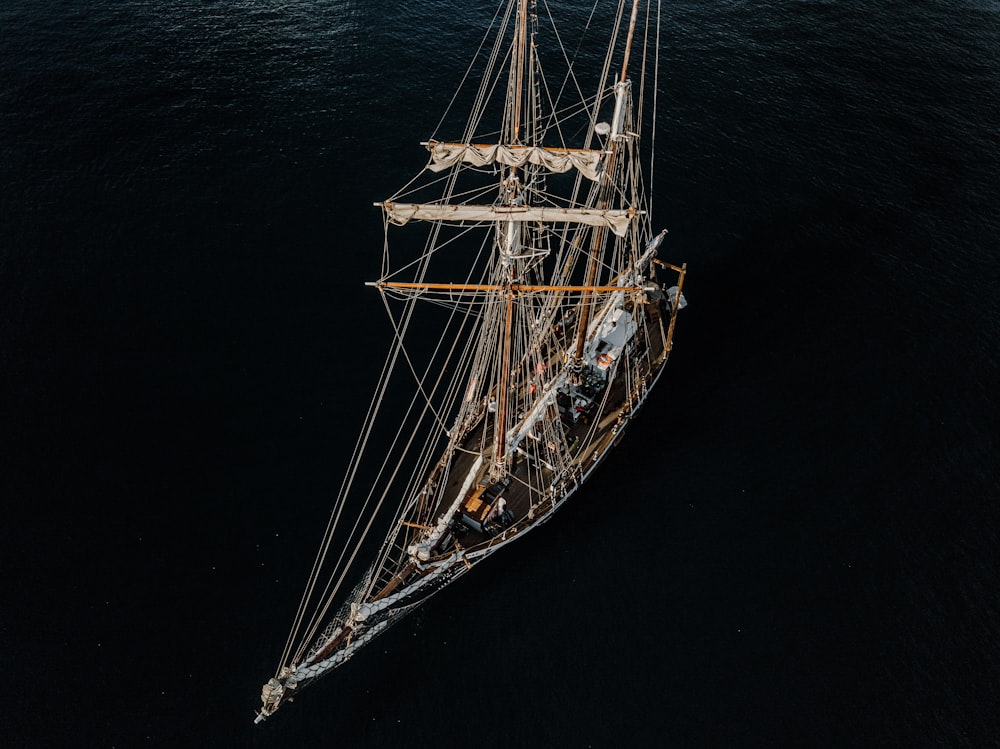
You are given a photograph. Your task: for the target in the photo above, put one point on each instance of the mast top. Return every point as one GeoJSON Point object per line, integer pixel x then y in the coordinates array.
{"type": "Point", "coordinates": [628, 43]}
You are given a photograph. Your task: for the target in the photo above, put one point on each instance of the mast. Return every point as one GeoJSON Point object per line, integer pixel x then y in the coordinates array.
{"type": "Point", "coordinates": [628, 42]}
{"type": "Point", "coordinates": [514, 196]}
{"type": "Point", "coordinates": [519, 61]}
{"type": "Point", "coordinates": [621, 91]}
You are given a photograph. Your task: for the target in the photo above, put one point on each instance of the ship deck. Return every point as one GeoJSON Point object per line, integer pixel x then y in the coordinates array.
{"type": "Point", "coordinates": [589, 437]}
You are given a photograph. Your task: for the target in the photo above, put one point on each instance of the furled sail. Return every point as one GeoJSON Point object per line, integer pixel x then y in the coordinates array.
{"type": "Point", "coordinates": [445, 155]}
{"type": "Point", "coordinates": [617, 219]}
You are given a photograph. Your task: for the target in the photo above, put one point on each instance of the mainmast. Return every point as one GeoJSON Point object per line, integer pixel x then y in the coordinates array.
{"type": "Point", "coordinates": [510, 246]}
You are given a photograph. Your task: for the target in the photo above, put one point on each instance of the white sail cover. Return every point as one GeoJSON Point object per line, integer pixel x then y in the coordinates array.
{"type": "Point", "coordinates": [589, 162]}
{"type": "Point", "coordinates": [617, 220]}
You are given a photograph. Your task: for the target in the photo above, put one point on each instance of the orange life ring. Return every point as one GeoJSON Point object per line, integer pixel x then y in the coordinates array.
{"type": "Point", "coordinates": [604, 360]}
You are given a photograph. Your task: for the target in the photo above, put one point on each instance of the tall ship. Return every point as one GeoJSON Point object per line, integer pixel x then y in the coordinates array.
{"type": "Point", "coordinates": [530, 316]}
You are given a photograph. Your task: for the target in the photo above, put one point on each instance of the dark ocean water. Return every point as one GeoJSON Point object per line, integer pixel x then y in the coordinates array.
{"type": "Point", "coordinates": [796, 545]}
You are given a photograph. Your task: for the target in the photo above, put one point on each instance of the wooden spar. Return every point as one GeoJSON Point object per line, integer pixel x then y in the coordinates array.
{"type": "Point", "coordinates": [500, 449]}
{"type": "Point", "coordinates": [677, 305]}
{"type": "Point", "coordinates": [418, 526]}
{"type": "Point", "coordinates": [628, 43]}
{"type": "Point", "coordinates": [668, 265]}
{"type": "Point", "coordinates": [429, 144]}
{"type": "Point", "coordinates": [514, 288]}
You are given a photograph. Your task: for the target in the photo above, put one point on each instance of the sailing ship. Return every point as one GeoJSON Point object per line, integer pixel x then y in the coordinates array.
{"type": "Point", "coordinates": [546, 344]}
